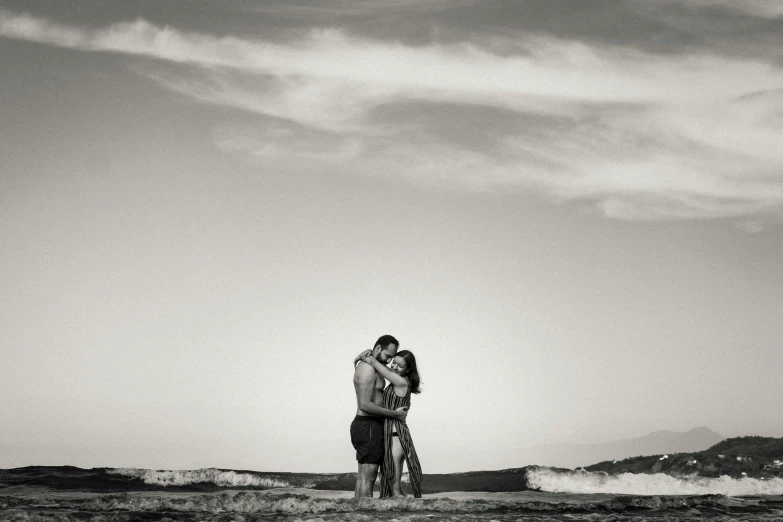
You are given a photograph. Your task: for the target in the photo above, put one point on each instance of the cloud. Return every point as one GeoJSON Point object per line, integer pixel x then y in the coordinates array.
{"type": "Point", "coordinates": [751, 227]}
{"type": "Point", "coordinates": [759, 8]}
{"type": "Point", "coordinates": [691, 136]}
{"type": "Point", "coordinates": [334, 8]}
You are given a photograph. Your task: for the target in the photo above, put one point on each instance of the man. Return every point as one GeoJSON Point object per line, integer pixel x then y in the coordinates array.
{"type": "Point", "coordinates": [367, 426]}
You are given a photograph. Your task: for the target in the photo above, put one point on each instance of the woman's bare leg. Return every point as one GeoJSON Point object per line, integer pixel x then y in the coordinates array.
{"type": "Point", "coordinates": [397, 455]}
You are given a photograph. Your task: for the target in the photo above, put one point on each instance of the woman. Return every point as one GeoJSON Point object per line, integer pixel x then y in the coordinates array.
{"type": "Point", "coordinates": [403, 377]}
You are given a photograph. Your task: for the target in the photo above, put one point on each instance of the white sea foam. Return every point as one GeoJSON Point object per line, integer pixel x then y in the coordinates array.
{"type": "Point", "coordinates": [218, 477]}
{"type": "Point", "coordinates": [555, 481]}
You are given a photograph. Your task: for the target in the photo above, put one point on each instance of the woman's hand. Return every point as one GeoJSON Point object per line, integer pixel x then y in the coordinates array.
{"type": "Point", "coordinates": [361, 356]}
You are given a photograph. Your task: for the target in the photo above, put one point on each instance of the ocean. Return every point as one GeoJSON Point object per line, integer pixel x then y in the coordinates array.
{"type": "Point", "coordinates": [118, 495]}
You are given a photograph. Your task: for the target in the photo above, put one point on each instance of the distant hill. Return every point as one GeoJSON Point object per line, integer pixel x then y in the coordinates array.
{"type": "Point", "coordinates": [656, 443]}
{"type": "Point", "coordinates": [759, 457]}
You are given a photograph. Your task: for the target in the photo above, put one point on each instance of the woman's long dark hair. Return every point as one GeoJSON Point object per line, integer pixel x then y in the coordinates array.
{"type": "Point", "coordinates": [412, 373]}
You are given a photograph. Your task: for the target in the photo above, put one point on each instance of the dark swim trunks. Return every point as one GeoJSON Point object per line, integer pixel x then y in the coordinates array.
{"type": "Point", "coordinates": [367, 438]}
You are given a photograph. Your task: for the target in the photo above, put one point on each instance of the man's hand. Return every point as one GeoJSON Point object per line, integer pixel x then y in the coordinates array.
{"type": "Point", "coordinates": [401, 413]}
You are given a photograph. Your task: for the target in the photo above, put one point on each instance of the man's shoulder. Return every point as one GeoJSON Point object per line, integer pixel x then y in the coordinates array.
{"type": "Point", "coordinates": [364, 371]}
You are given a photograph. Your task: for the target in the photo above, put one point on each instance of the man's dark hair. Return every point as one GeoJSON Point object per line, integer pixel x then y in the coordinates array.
{"type": "Point", "coordinates": [386, 340]}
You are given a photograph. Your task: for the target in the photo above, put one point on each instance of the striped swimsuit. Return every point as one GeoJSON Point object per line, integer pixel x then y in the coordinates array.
{"type": "Point", "coordinates": [392, 401]}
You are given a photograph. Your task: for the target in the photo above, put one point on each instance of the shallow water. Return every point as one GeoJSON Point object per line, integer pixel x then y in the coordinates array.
{"type": "Point", "coordinates": [26, 503]}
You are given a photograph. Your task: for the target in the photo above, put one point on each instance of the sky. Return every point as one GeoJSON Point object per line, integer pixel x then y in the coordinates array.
{"type": "Point", "coordinates": [569, 211]}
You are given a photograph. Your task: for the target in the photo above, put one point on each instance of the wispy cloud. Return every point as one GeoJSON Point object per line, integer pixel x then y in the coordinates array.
{"type": "Point", "coordinates": [760, 8]}
{"type": "Point", "coordinates": [351, 8]}
{"type": "Point", "coordinates": [644, 136]}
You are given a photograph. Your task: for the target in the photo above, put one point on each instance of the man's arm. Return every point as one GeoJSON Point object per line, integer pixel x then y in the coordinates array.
{"type": "Point", "coordinates": [365, 384]}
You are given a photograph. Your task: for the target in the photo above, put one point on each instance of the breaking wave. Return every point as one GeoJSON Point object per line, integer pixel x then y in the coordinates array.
{"type": "Point", "coordinates": [560, 481]}
{"type": "Point", "coordinates": [537, 478]}
{"type": "Point", "coordinates": [225, 479]}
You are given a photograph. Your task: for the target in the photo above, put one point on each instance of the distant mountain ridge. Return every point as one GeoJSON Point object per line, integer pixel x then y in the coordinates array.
{"type": "Point", "coordinates": [656, 443]}
{"type": "Point", "coordinates": [758, 457]}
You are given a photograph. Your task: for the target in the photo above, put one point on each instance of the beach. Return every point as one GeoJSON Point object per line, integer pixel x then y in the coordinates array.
{"type": "Point", "coordinates": [294, 504]}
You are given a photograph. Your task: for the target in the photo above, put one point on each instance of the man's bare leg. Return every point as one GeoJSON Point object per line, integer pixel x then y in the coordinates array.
{"type": "Point", "coordinates": [365, 480]}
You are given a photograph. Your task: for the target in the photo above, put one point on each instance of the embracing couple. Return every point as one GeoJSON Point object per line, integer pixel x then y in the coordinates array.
{"type": "Point", "coordinates": [379, 432]}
